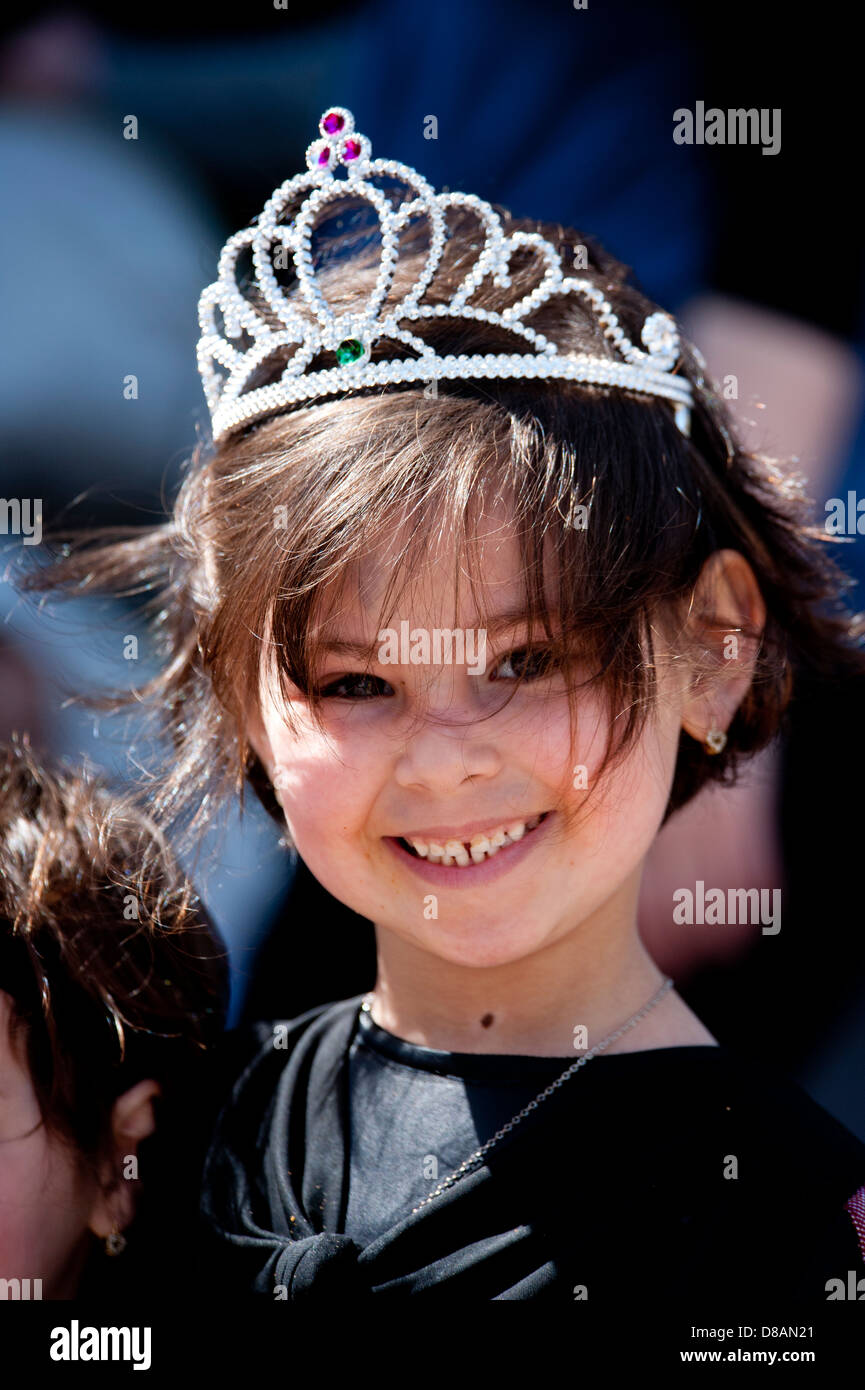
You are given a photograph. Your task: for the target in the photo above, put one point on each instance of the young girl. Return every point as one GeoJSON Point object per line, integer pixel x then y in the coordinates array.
{"type": "Point", "coordinates": [111, 987]}
{"type": "Point", "coordinates": [476, 588]}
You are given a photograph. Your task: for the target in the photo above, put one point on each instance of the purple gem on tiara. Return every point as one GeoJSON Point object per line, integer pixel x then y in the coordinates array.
{"type": "Point", "coordinates": [351, 149]}
{"type": "Point", "coordinates": [324, 156]}
{"type": "Point", "coordinates": [332, 122]}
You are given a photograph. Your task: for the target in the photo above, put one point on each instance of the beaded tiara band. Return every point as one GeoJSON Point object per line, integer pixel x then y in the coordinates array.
{"type": "Point", "coordinates": [237, 341]}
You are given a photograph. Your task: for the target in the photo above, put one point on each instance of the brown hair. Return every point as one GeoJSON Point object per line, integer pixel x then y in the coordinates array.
{"type": "Point", "coordinates": [113, 971]}
{"type": "Point", "coordinates": [277, 515]}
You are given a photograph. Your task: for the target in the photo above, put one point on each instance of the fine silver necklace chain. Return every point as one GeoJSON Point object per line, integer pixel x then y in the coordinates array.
{"type": "Point", "coordinates": [479, 1154]}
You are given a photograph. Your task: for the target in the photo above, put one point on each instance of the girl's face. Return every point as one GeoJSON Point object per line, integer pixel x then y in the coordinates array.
{"type": "Point", "coordinates": [45, 1201]}
{"type": "Point", "coordinates": [430, 751]}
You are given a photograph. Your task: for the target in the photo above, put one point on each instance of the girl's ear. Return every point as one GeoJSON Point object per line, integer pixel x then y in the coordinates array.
{"type": "Point", "coordinates": [263, 773]}
{"type": "Point", "coordinates": [132, 1119]}
{"type": "Point", "coordinates": [258, 739]}
{"type": "Point", "coordinates": [727, 619]}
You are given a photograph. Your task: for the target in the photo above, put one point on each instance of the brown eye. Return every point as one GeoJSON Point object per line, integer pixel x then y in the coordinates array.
{"type": "Point", "coordinates": [540, 664]}
{"type": "Point", "coordinates": [355, 686]}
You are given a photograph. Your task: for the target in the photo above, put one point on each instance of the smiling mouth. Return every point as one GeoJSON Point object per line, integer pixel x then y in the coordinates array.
{"type": "Point", "coordinates": [465, 854]}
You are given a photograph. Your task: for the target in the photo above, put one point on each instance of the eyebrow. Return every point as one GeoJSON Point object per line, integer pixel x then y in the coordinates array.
{"type": "Point", "coordinates": [499, 622]}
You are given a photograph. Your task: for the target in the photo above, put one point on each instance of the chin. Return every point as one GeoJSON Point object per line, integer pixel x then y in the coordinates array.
{"type": "Point", "coordinates": [497, 944]}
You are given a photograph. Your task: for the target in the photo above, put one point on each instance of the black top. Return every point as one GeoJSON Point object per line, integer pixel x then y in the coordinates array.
{"type": "Point", "coordinates": [417, 1113]}
{"type": "Point", "coordinates": [692, 1170]}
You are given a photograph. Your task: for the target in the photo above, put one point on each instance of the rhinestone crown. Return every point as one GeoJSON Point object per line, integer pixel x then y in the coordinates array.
{"type": "Point", "coordinates": [308, 325]}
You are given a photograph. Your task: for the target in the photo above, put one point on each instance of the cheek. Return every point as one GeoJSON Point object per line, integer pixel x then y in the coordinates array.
{"type": "Point", "coordinates": [565, 749]}
{"type": "Point", "coordinates": [326, 785]}
{"type": "Point", "coordinates": [44, 1210]}
{"type": "Point", "coordinates": [626, 806]}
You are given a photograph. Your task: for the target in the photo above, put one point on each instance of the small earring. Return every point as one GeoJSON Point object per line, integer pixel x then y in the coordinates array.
{"type": "Point", "coordinates": [716, 741]}
{"type": "Point", "coordinates": [115, 1244]}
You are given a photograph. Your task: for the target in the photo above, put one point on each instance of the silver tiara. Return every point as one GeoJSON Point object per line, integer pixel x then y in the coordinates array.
{"type": "Point", "coordinates": [338, 163]}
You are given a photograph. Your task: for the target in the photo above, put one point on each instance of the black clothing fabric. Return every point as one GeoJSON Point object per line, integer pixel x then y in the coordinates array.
{"type": "Point", "coordinates": [615, 1183]}
{"type": "Point", "coordinates": [411, 1104]}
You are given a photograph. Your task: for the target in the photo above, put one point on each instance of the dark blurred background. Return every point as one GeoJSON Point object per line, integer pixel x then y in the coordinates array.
{"type": "Point", "coordinates": [556, 112]}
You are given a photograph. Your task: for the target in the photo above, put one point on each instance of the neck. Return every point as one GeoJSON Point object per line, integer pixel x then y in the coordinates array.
{"type": "Point", "coordinates": [589, 978]}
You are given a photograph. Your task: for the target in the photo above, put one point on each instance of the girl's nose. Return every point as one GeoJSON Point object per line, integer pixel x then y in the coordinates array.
{"type": "Point", "coordinates": [441, 765]}
{"type": "Point", "coordinates": [451, 734]}
{"type": "Point", "coordinates": [442, 756]}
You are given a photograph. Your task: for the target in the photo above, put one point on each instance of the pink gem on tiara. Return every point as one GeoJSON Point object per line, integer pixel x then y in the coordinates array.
{"type": "Point", "coordinates": [319, 155]}
{"type": "Point", "coordinates": [351, 149]}
{"type": "Point", "coordinates": [332, 122]}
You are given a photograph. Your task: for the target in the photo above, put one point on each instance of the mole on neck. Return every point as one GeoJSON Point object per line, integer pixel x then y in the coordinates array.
{"type": "Point", "coordinates": [487, 1020]}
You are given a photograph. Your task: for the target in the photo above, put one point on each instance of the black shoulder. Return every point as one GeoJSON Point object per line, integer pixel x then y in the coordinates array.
{"type": "Point", "coordinates": [242, 1051]}
{"type": "Point", "coordinates": [794, 1131]}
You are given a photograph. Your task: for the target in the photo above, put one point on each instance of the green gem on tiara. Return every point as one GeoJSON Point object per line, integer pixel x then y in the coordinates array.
{"type": "Point", "coordinates": [349, 350]}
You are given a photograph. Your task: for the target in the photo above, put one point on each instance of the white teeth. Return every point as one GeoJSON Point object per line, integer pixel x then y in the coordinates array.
{"type": "Point", "coordinates": [480, 846]}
